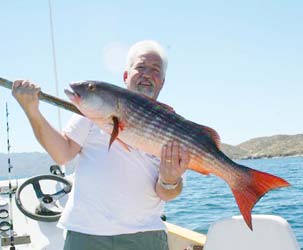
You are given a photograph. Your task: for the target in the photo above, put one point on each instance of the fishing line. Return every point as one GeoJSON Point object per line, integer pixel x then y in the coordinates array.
{"type": "Point", "coordinates": [54, 58]}
{"type": "Point", "coordinates": [12, 238]}
{"type": "Point", "coordinates": [52, 34]}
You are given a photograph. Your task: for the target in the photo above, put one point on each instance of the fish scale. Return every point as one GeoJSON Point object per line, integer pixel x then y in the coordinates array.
{"type": "Point", "coordinates": [165, 124]}
{"type": "Point", "coordinates": [159, 131]}
{"type": "Point", "coordinates": [168, 126]}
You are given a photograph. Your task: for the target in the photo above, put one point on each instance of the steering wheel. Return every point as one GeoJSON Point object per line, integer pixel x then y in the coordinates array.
{"type": "Point", "coordinates": [47, 209]}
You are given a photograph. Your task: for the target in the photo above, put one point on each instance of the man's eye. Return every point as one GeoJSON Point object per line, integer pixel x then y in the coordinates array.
{"type": "Point", "coordinates": [140, 67]}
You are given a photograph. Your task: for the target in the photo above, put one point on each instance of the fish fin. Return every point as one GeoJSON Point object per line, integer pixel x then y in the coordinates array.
{"type": "Point", "coordinates": [124, 145]}
{"type": "Point", "coordinates": [209, 132]}
{"type": "Point", "coordinates": [160, 104]}
{"type": "Point", "coordinates": [169, 108]}
{"type": "Point", "coordinates": [198, 167]}
{"type": "Point", "coordinates": [212, 135]}
{"type": "Point", "coordinates": [247, 193]}
{"type": "Point", "coordinates": [115, 131]}
{"type": "Point", "coordinates": [199, 170]}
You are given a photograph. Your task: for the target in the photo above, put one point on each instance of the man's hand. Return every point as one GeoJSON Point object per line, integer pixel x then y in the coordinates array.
{"type": "Point", "coordinates": [174, 161]}
{"type": "Point", "coordinates": [26, 93]}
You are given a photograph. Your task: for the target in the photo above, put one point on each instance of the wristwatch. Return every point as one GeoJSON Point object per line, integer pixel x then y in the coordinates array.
{"type": "Point", "coordinates": [168, 186]}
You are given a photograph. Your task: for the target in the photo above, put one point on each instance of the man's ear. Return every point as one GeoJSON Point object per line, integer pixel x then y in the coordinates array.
{"type": "Point", "coordinates": [125, 75]}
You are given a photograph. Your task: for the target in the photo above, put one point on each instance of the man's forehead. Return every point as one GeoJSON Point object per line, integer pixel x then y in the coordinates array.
{"type": "Point", "coordinates": [150, 57]}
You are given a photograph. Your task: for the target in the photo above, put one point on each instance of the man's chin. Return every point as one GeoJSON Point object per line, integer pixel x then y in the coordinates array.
{"type": "Point", "coordinates": [148, 91]}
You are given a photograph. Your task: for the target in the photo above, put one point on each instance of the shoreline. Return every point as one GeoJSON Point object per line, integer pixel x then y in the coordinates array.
{"type": "Point", "coordinates": [268, 157]}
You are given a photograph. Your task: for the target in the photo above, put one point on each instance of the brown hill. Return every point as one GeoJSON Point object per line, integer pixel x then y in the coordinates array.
{"type": "Point", "coordinates": [234, 152]}
{"type": "Point", "coordinates": [274, 146]}
{"type": "Point", "coordinates": [267, 147]}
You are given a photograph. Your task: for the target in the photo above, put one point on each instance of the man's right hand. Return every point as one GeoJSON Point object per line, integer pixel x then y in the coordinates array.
{"type": "Point", "coordinates": [61, 148]}
{"type": "Point", "coordinates": [26, 93]}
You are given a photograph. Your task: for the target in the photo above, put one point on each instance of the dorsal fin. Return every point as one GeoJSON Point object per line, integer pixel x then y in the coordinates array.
{"type": "Point", "coordinates": [212, 134]}
{"type": "Point", "coordinates": [160, 104]}
{"type": "Point", "coordinates": [166, 106]}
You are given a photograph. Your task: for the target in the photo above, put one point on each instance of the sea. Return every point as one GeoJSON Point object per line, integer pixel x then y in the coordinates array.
{"type": "Point", "coordinates": [206, 199]}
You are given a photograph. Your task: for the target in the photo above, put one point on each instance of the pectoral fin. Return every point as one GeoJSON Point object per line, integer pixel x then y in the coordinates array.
{"type": "Point", "coordinates": [115, 131]}
{"type": "Point", "coordinates": [124, 145]}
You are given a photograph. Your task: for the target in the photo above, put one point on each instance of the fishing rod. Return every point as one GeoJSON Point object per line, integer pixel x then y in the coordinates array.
{"type": "Point", "coordinates": [12, 237]}
{"type": "Point", "coordinates": [46, 98]}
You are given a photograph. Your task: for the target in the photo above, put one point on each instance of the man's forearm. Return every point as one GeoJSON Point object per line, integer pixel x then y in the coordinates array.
{"type": "Point", "coordinates": [49, 138]}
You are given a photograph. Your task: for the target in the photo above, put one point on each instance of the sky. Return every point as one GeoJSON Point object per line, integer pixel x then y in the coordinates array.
{"type": "Point", "coordinates": [235, 66]}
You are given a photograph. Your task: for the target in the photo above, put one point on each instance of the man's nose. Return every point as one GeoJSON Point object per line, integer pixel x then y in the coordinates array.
{"type": "Point", "coordinates": [147, 72]}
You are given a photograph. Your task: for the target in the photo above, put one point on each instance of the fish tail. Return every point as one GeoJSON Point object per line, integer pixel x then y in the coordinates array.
{"type": "Point", "coordinates": [248, 191]}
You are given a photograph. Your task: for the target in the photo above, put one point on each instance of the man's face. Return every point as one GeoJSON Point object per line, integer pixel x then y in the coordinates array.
{"type": "Point", "coordinates": [146, 75]}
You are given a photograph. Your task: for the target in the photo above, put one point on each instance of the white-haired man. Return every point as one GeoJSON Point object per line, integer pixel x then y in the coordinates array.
{"type": "Point", "coordinates": [118, 196]}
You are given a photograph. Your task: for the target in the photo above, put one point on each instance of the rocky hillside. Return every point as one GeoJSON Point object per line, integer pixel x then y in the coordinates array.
{"type": "Point", "coordinates": [233, 152]}
{"type": "Point", "coordinates": [271, 146]}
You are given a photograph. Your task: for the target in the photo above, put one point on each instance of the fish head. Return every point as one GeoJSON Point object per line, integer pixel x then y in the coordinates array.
{"type": "Point", "coordinates": [94, 99]}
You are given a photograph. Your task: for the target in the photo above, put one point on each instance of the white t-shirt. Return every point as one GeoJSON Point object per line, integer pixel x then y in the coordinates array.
{"type": "Point", "coordinates": [113, 190]}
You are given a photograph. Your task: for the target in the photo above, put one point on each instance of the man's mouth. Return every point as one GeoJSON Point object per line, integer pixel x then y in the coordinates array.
{"type": "Point", "coordinates": [145, 87]}
{"type": "Point", "coordinates": [146, 83]}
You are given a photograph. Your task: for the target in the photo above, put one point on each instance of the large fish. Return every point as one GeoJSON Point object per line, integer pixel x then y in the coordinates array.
{"type": "Point", "coordinates": [145, 124]}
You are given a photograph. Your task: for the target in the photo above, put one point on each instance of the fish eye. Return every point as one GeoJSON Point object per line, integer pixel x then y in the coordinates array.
{"type": "Point", "coordinates": [91, 87]}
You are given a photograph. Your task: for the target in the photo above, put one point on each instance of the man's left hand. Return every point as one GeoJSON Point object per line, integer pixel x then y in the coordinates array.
{"type": "Point", "coordinates": [174, 161]}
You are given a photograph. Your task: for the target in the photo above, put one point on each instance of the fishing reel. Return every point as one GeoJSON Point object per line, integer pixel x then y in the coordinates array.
{"type": "Point", "coordinates": [48, 208]}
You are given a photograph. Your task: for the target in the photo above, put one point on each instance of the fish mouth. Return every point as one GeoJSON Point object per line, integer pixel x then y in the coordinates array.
{"type": "Point", "coordinates": [73, 95]}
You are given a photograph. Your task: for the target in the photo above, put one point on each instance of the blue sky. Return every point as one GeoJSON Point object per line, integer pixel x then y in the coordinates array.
{"type": "Point", "coordinates": [235, 66]}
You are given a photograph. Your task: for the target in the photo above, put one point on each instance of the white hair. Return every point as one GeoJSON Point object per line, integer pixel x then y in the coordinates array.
{"type": "Point", "coordinates": [143, 47]}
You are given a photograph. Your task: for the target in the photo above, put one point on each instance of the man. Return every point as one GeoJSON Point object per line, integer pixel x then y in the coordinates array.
{"type": "Point", "coordinates": [118, 196]}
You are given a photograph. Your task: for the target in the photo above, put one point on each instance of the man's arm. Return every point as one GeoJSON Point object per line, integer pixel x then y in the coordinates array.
{"type": "Point", "coordinates": [60, 147]}
{"type": "Point", "coordinates": [174, 161]}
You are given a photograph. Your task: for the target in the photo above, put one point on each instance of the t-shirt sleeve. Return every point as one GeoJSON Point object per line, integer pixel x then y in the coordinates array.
{"type": "Point", "coordinates": [78, 128]}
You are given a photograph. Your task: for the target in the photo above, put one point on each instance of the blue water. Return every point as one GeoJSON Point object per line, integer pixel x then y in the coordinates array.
{"type": "Point", "coordinates": [206, 199]}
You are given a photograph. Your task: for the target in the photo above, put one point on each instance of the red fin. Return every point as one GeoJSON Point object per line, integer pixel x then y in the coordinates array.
{"type": "Point", "coordinates": [115, 131]}
{"type": "Point", "coordinates": [166, 106]}
{"type": "Point", "coordinates": [124, 145]}
{"type": "Point", "coordinates": [199, 170]}
{"type": "Point", "coordinates": [163, 105]}
{"type": "Point", "coordinates": [198, 167]}
{"type": "Point", "coordinates": [212, 134]}
{"type": "Point", "coordinates": [248, 193]}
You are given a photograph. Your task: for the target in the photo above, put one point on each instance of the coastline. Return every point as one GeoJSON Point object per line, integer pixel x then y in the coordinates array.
{"type": "Point", "coordinates": [269, 157]}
